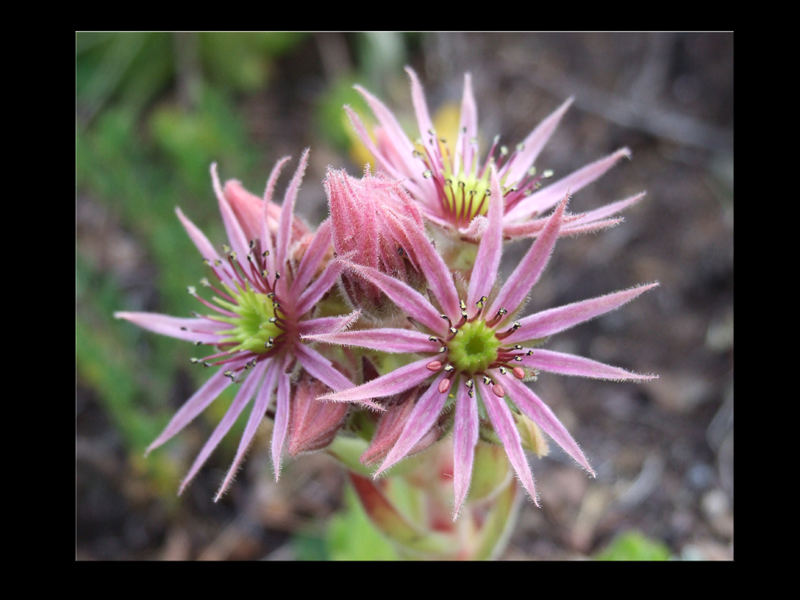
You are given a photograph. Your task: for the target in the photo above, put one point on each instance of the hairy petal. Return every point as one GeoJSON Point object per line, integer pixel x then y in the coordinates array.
{"type": "Point", "coordinates": [468, 128]}
{"type": "Point", "coordinates": [426, 412]}
{"type": "Point", "coordinates": [319, 288]}
{"type": "Point", "coordinates": [253, 421]}
{"type": "Point", "coordinates": [287, 212]}
{"type": "Point", "coordinates": [282, 410]}
{"type": "Point", "coordinates": [395, 382]}
{"type": "Point", "coordinates": [312, 258]}
{"type": "Point", "coordinates": [423, 116]}
{"type": "Point", "coordinates": [465, 436]}
{"type": "Point", "coordinates": [533, 144]}
{"type": "Point", "coordinates": [233, 228]}
{"type": "Point", "coordinates": [550, 195]}
{"type": "Point", "coordinates": [540, 413]}
{"type": "Point", "coordinates": [554, 320]}
{"type": "Point", "coordinates": [199, 401]}
{"type": "Point", "coordinates": [530, 268]}
{"type": "Point", "coordinates": [608, 209]}
{"type": "Point", "coordinates": [266, 235]}
{"type": "Point", "coordinates": [505, 428]}
{"type": "Point", "coordinates": [386, 339]}
{"type": "Point", "coordinates": [205, 247]}
{"type": "Point", "coordinates": [191, 330]}
{"type": "Point", "coordinates": [407, 298]}
{"type": "Point", "coordinates": [328, 324]}
{"type": "Point", "coordinates": [236, 408]}
{"type": "Point", "coordinates": [571, 364]}
{"type": "Point", "coordinates": [490, 249]}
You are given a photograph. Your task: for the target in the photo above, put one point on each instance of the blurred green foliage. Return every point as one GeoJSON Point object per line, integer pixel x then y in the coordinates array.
{"type": "Point", "coordinates": [633, 545]}
{"type": "Point", "coordinates": [351, 536]}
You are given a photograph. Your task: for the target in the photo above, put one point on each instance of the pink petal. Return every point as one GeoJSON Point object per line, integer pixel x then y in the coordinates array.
{"type": "Point", "coordinates": [236, 408]}
{"type": "Point", "coordinates": [281, 422]}
{"type": "Point", "coordinates": [530, 268]}
{"type": "Point", "coordinates": [395, 382]}
{"type": "Point", "coordinates": [437, 274]}
{"type": "Point", "coordinates": [199, 401]}
{"type": "Point", "coordinates": [540, 413]}
{"type": "Point", "coordinates": [533, 144]}
{"type": "Point", "coordinates": [191, 330]}
{"type": "Point", "coordinates": [385, 339]}
{"type": "Point", "coordinates": [466, 145]}
{"type": "Point", "coordinates": [608, 209]}
{"type": "Point", "coordinates": [309, 264]}
{"type": "Point", "coordinates": [490, 249]}
{"type": "Point", "coordinates": [404, 296]}
{"type": "Point", "coordinates": [205, 247]}
{"type": "Point", "coordinates": [570, 364]}
{"type": "Point", "coordinates": [465, 436]}
{"type": "Point", "coordinates": [593, 227]}
{"type": "Point", "coordinates": [550, 195]}
{"type": "Point", "coordinates": [287, 212]}
{"type": "Point", "coordinates": [392, 128]}
{"type": "Point", "coordinates": [554, 320]}
{"type": "Point", "coordinates": [327, 324]}
{"type": "Point", "coordinates": [422, 418]}
{"type": "Point", "coordinates": [266, 234]}
{"type": "Point", "coordinates": [314, 293]}
{"type": "Point", "coordinates": [424, 122]}
{"type": "Point", "coordinates": [232, 227]}
{"type": "Point", "coordinates": [256, 416]}
{"type": "Point", "coordinates": [506, 429]}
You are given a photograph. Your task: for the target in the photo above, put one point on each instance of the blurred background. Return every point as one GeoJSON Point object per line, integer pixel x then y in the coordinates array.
{"type": "Point", "coordinates": [153, 110]}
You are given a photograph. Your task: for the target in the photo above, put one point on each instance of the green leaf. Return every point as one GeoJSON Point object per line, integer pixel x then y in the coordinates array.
{"type": "Point", "coordinates": [351, 536]}
{"type": "Point", "coordinates": [633, 545]}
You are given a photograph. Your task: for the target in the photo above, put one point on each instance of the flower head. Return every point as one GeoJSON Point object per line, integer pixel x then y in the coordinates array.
{"type": "Point", "coordinates": [369, 220]}
{"type": "Point", "coordinates": [452, 183]}
{"type": "Point", "coordinates": [263, 301]}
{"type": "Point", "coordinates": [476, 353]}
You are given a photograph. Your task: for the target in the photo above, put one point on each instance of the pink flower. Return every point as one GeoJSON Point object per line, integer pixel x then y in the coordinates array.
{"type": "Point", "coordinates": [473, 344]}
{"type": "Point", "coordinates": [369, 220]}
{"type": "Point", "coordinates": [452, 184]}
{"type": "Point", "coordinates": [263, 303]}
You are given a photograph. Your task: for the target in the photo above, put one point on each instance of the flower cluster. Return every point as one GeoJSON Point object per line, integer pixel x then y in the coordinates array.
{"type": "Point", "coordinates": [365, 327]}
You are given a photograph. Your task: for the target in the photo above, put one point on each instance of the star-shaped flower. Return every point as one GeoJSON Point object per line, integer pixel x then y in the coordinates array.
{"type": "Point", "coordinates": [452, 185]}
{"type": "Point", "coordinates": [475, 351]}
{"type": "Point", "coordinates": [263, 303]}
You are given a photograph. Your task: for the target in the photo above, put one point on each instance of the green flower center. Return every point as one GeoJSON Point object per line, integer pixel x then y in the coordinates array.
{"type": "Point", "coordinates": [473, 348]}
{"type": "Point", "coordinates": [467, 196]}
{"type": "Point", "coordinates": [256, 325]}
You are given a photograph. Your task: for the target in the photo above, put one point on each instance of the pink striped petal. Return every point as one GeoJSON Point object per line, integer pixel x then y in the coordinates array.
{"type": "Point", "coordinates": [309, 264]}
{"type": "Point", "coordinates": [321, 368]}
{"type": "Point", "coordinates": [550, 195]}
{"type": "Point", "coordinates": [424, 122]}
{"type": "Point", "coordinates": [235, 409]}
{"type": "Point", "coordinates": [314, 293]}
{"type": "Point", "coordinates": [191, 330]}
{"type": "Point", "coordinates": [529, 403]}
{"type": "Point", "coordinates": [199, 401]}
{"type": "Point", "coordinates": [437, 274]}
{"type": "Point", "coordinates": [530, 268]}
{"type": "Point", "coordinates": [287, 212]}
{"type": "Point", "coordinates": [409, 300]}
{"type": "Point", "coordinates": [395, 382]}
{"type": "Point", "coordinates": [465, 436]}
{"type": "Point", "coordinates": [282, 410]}
{"type": "Point", "coordinates": [506, 429]}
{"type": "Point", "coordinates": [385, 339]}
{"type": "Point", "coordinates": [266, 234]}
{"type": "Point", "coordinates": [253, 421]}
{"type": "Point", "coordinates": [233, 229]}
{"type": "Point", "coordinates": [466, 144]}
{"type": "Point", "coordinates": [205, 247]}
{"type": "Point", "coordinates": [571, 364]}
{"type": "Point", "coordinates": [422, 418]}
{"type": "Point", "coordinates": [328, 324]}
{"type": "Point", "coordinates": [608, 209]}
{"type": "Point", "coordinates": [533, 144]}
{"type": "Point", "coordinates": [490, 249]}
{"type": "Point", "coordinates": [554, 320]}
